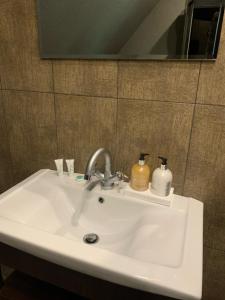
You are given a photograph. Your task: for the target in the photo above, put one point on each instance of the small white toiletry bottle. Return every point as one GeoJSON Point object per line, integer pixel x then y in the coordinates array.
{"type": "Point", "coordinates": [162, 179]}
{"type": "Point", "coordinates": [70, 167]}
{"type": "Point", "coordinates": [59, 166]}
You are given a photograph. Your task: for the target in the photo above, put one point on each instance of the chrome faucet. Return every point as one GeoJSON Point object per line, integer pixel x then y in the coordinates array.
{"type": "Point", "coordinates": [106, 180]}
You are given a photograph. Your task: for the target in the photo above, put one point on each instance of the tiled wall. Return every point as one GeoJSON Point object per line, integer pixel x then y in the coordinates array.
{"type": "Point", "coordinates": [51, 109]}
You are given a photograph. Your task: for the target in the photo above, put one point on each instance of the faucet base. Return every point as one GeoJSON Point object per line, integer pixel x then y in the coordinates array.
{"type": "Point", "coordinates": [107, 187]}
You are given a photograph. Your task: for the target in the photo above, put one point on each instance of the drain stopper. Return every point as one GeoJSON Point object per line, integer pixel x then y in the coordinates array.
{"type": "Point", "coordinates": [91, 238]}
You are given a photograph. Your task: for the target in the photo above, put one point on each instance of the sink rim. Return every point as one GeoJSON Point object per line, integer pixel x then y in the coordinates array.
{"type": "Point", "coordinates": [127, 271]}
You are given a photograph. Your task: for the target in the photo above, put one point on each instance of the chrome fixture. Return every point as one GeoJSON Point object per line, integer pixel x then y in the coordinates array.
{"type": "Point", "coordinates": [106, 180]}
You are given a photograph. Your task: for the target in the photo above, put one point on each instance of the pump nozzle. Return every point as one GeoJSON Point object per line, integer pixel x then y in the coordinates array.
{"type": "Point", "coordinates": [164, 160]}
{"type": "Point", "coordinates": [142, 156]}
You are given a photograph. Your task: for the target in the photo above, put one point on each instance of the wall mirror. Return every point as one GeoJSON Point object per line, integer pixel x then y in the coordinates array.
{"type": "Point", "coordinates": [130, 29]}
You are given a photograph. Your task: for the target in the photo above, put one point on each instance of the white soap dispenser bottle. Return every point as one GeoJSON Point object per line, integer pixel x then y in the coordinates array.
{"type": "Point", "coordinates": [162, 179]}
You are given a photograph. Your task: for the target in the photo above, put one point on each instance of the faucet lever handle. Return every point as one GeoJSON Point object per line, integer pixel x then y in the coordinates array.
{"type": "Point", "coordinates": [99, 175]}
{"type": "Point", "coordinates": [121, 176]}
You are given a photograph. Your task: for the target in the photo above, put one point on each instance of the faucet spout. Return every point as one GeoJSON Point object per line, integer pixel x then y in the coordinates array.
{"type": "Point", "coordinates": [90, 169]}
{"type": "Point", "coordinates": [92, 185]}
{"type": "Point", "coordinates": [107, 180]}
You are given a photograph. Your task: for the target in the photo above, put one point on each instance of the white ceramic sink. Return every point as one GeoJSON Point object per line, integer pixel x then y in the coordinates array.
{"type": "Point", "coordinates": [141, 244]}
{"type": "Point", "coordinates": [136, 229]}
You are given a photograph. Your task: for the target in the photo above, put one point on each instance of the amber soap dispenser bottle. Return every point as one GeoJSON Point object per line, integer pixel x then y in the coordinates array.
{"type": "Point", "coordinates": [140, 174]}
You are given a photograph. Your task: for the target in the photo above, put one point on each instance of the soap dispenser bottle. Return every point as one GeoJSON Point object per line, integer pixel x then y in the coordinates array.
{"type": "Point", "coordinates": [140, 173]}
{"type": "Point", "coordinates": [162, 179]}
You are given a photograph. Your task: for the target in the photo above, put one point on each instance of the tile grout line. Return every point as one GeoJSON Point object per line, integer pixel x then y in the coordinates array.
{"type": "Point", "coordinates": [191, 131]}
{"type": "Point", "coordinates": [117, 109]}
{"type": "Point", "coordinates": [0, 83]}
{"type": "Point", "coordinates": [115, 98]}
{"type": "Point", "coordinates": [54, 97]}
{"type": "Point", "coordinates": [214, 248]}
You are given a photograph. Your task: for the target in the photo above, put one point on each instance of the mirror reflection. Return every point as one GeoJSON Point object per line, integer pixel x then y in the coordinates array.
{"type": "Point", "coordinates": [130, 29]}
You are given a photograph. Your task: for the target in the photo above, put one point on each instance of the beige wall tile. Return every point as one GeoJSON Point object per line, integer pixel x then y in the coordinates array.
{"type": "Point", "coordinates": [20, 65]}
{"type": "Point", "coordinates": [216, 231]}
{"type": "Point", "coordinates": [211, 88]}
{"type": "Point", "coordinates": [214, 274]}
{"type": "Point", "coordinates": [159, 128]}
{"type": "Point", "coordinates": [205, 177]}
{"type": "Point", "coordinates": [165, 81]}
{"type": "Point", "coordinates": [89, 78]}
{"type": "Point", "coordinates": [30, 119]}
{"type": "Point", "coordinates": [84, 124]}
{"type": "Point", "coordinates": [6, 179]}
{"type": "Point", "coordinates": [208, 217]}
{"type": "Point", "coordinates": [206, 162]}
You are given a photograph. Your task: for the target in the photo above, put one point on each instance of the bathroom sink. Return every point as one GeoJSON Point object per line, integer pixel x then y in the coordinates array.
{"type": "Point", "coordinates": [149, 233]}
{"type": "Point", "coordinates": [107, 234]}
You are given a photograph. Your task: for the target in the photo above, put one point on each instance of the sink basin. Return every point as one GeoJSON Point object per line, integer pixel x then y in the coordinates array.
{"type": "Point", "coordinates": [135, 229]}
{"type": "Point", "coordinates": [140, 244]}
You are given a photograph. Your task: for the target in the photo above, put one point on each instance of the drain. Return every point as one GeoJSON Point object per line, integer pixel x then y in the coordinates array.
{"type": "Point", "coordinates": [91, 238]}
{"type": "Point", "coordinates": [101, 200]}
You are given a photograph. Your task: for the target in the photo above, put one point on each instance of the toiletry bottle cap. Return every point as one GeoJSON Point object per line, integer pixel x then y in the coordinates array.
{"type": "Point", "coordinates": [164, 160]}
{"type": "Point", "coordinates": [142, 156]}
